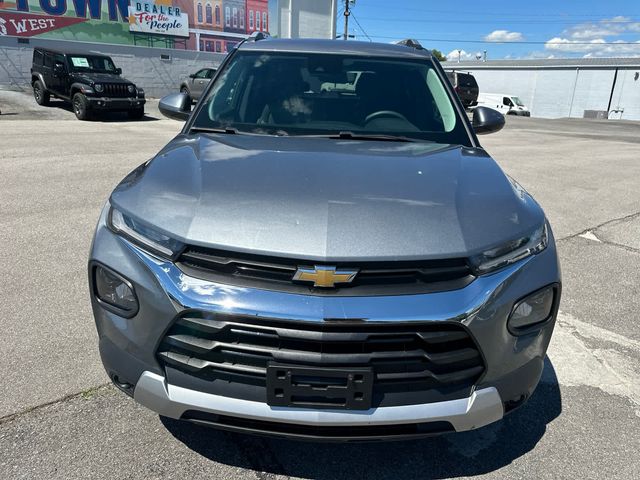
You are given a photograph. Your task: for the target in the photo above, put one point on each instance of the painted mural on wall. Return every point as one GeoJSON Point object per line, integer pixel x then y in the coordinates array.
{"type": "Point", "coordinates": [206, 25]}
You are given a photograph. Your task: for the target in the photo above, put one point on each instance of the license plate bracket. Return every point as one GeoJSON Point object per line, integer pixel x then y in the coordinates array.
{"type": "Point", "coordinates": [310, 387]}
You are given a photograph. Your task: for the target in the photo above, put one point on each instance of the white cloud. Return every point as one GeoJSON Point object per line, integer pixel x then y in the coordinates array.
{"type": "Point", "coordinates": [452, 56]}
{"type": "Point", "coordinates": [504, 36]}
{"type": "Point", "coordinates": [612, 37]}
{"type": "Point", "coordinates": [608, 27]}
{"type": "Point", "coordinates": [597, 47]}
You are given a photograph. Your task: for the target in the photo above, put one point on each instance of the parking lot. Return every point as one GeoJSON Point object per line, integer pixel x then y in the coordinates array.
{"type": "Point", "coordinates": [59, 417]}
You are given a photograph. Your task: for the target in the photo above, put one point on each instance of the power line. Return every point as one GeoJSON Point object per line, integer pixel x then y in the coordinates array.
{"type": "Point", "coordinates": [518, 42]}
{"type": "Point", "coordinates": [503, 14]}
{"type": "Point", "coordinates": [361, 29]}
{"type": "Point", "coordinates": [484, 22]}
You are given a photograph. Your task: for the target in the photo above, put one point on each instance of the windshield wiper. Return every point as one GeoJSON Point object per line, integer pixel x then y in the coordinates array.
{"type": "Point", "coordinates": [373, 136]}
{"type": "Point", "coordinates": [229, 130]}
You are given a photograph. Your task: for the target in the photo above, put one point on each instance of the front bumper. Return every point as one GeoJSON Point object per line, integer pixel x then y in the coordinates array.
{"type": "Point", "coordinates": [481, 408]}
{"type": "Point", "coordinates": [513, 363]}
{"type": "Point", "coordinates": [116, 104]}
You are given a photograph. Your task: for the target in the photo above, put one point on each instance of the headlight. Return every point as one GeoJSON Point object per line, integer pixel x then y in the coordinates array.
{"type": "Point", "coordinates": [511, 252]}
{"type": "Point", "coordinates": [131, 88]}
{"type": "Point", "coordinates": [98, 87]}
{"type": "Point", "coordinates": [114, 292]}
{"type": "Point", "coordinates": [145, 236]}
{"type": "Point", "coordinates": [533, 309]}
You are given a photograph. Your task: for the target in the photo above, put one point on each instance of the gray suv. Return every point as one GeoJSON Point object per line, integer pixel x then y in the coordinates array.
{"type": "Point", "coordinates": [320, 260]}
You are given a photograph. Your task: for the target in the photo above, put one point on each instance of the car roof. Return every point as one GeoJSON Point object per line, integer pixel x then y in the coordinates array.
{"type": "Point", "coordinates": [340, 47]}
{"type": "Point", "coordinates": [69, 52]}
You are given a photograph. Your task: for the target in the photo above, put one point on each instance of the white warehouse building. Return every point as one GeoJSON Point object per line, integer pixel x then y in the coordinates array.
{"type": "Point", "coordinates": [561, 88]}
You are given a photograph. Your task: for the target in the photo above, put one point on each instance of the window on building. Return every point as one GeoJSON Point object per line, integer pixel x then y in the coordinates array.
{"type": "Point", "coordinates": [242, 18]}
{"type": "Point", "coordinates": [217, 10]}
{"type": "Point", "coordinates": [218, 47]}
{"type": "Point", "coordinates": [199, 13]}
{"type": "Point", "coordinates": [235, 17]}
{"type": "Point", "coordinates": [250, 19]}
{"type": "Point", "coordinates": [208, 46]}
{"type": "Point", "coordinates": [201, 45]}
{"type": "Point", "coordinates": [209, 14]}
{"type": "Point", "coordinates": [264, 21]}
{"type": "Point", "coordinates": [257, 20]}
{"type": "Point", "coordinates": [227, 16]}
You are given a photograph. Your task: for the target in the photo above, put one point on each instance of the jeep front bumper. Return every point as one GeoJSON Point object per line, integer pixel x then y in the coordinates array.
{"type": "Point", "coordinates": [116, 104]}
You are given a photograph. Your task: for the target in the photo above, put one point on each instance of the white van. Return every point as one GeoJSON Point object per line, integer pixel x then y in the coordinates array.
{"type": "Point", "coordinates": [506, 104]}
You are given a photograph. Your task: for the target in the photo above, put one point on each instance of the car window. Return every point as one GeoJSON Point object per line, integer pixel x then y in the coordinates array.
{"type": "Point", "coordinates": [211, 72]}
{"type": "Point", "coordinates": [88, 63]}
{"type": "Point", "coordinates": [38, 57]}
{"type": "Point", "coordinates": [202, 73]}
{"type": "Point", "coordinates": [311, 94]}
{"type": "Point", "coordinates": [59, 59]}
{"type": "Point", "coordinates": [48, 60]}
{"type": "Point", "coordinates": [507, 101]}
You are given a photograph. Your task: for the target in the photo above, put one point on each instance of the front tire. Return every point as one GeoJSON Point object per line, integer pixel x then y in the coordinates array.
{"type": "Point", "coordinates": [80, 106]}
{"type": "Point", "coordinates": [40, 94]}
{"type": "Point", "coordinates": [136, 114]}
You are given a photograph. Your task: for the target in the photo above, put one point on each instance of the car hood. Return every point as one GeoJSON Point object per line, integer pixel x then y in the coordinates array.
{"type": "Point", "coordinates": [325, 199]}
{"type": "Point", "coordinates": [101, 78]}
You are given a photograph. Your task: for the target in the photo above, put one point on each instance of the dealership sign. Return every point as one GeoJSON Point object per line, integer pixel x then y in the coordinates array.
{"type": "Point", "coordinates": [149, 17]}
{"type": "Point", "coordinates": [28, 24]}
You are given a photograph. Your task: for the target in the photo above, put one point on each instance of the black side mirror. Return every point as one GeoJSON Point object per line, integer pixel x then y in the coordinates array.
{"type": "Point", "coordinates": [58, 68]}
{"type": "Point", "coordinates": [193, 75]}
{"type": "Point", "coordinates": [176, 106]}
{"type": "Point", "coordinates": [486, 120]}
{"type": "Point", "coordinates": [118, 71]}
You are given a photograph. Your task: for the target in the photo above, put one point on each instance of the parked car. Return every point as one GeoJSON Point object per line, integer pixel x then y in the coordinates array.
{"type": "Point", "coordinates": [506, 104]}
{"type": "Point", "coordinates": [90, 82]}
{"type": "Point", "coordinates": [325, 264]}
{"type": "Point", "coordinates": [465, 86]}
{"type": "Point", "coordinates": [196, 83]}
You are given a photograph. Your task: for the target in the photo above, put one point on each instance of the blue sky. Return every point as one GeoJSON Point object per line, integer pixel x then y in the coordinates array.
{"type": "Point", "coordinates": [560, 28]}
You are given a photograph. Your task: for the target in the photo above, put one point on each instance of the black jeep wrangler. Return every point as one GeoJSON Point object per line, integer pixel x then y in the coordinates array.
{"type": "Point", "coordinates": [90, 82]}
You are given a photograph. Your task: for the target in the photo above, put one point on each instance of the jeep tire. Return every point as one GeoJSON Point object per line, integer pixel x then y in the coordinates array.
{"type": "Point", "coordinates": [40, 93]}
{"type": "Point", "coordinates": [80, 106]}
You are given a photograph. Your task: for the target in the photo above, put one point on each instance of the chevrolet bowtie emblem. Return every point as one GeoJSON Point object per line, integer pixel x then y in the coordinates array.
{"type": "Point", "coordinates": [325, 277]}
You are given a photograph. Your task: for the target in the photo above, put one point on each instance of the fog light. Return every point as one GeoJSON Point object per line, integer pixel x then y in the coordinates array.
{"type": "Point", "coordinates": [114, 292]}
{"type": "Point", "coordinates": [533, 309]}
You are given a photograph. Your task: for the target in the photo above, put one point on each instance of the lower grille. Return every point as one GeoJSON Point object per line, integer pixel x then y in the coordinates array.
{"type": "Point", "coordinates": [337, 433]}
{"type": "Point", "coordinates": [415, 358]}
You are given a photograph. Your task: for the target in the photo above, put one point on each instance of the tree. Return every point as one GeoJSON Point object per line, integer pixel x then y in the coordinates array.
{"type": "Point", "coordinates": [438, 54]}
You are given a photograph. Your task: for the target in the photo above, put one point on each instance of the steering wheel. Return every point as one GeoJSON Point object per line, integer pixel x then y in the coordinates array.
{"type": "Point", "coordinates": [385, 113]}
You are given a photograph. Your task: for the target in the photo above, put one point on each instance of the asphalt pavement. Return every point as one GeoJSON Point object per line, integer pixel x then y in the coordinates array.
{"type": "Point", "coordinates": [59, 418]}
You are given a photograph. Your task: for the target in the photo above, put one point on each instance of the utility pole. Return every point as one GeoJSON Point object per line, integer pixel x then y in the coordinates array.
{"type": "Point", "coordinates": [346, 19]}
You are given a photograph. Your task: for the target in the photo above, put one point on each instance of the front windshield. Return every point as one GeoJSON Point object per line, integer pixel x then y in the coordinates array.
{"type": "Point", "coordinates": [88, 63]}
{"type": "Point", "coordinates": [517, 101]}
{"type": "Point", "coordinates": [322, 94]}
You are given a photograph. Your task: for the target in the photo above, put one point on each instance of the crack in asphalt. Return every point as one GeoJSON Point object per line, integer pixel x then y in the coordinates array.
{"type": "Point", "coordinates": [66, 398]}
{"type": "Point", "coordinates": [625, 218]}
